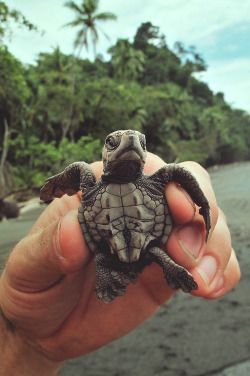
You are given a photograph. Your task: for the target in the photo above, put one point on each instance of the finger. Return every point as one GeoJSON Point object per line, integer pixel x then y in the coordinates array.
{"type": "Point", "coordinates": [229, 279]}
{"type": "Point", "coordinates": [42, 258]}
{"type": "Point", "coordinates": [97, 168]}
{"type": "Point", "coordinates": [204, 181]}
{"type": "Point", "coordinates": [55, 211]}
{"type": "Point", "coordinates": [186, 243]}
{"type": "Point", "coordinates": [153, 163]}
{"type": "Point", "coordinates": [187, 247]}
{"type": "Point", "coordinates": [180, 203]}
{"type": "Point", "coordinates": [211, 266]}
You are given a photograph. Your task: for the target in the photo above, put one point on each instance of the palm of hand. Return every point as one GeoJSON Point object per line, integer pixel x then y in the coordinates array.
{"type": "Point", "coordinates": [61, 306]}
{"type": "Point", "coordinates": [48, 283]}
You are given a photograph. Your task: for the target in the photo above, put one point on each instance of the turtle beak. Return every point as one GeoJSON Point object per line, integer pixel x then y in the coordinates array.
{"type": "Point", "coordinates": [131, 148]}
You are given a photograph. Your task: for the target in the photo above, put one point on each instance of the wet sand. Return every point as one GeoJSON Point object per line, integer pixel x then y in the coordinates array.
{"type": "Point", "coordinates": [188, 336]}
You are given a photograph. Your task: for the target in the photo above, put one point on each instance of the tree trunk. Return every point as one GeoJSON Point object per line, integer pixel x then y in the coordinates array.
{"type": "Point", "coordinates": [65, 127]}
{"type": "Point", "coordinates": [72, 94]}
{"type": "Point", "coordinates": [6, 137]}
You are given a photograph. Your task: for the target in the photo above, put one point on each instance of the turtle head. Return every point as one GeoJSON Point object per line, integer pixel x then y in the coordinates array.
{"type": "Point", "coordinates": [124, 155]}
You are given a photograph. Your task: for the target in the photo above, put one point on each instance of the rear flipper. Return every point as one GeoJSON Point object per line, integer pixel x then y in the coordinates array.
{"type": "Point", "coordinates": [176, 276]}
{"type": "Point", "coordinates": [112, 277]}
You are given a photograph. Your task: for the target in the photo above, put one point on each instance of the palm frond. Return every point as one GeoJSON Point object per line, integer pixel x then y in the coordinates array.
{"type": "Point", "coordinates": [73, 6]}
{"type": "Point", "coordinates": [105, 16]}
{"type": "Point", "coordinates": [76, 22]}
{"type": "Point", "coordinates": [94, 35]}
{"type": "Point", "coordinates": [90, 6]}
{"type": "Point", "coordinates": [81, 38]}
{"type": "Point", "coordinates": [103, 32]}
{"type": "Point", "coordinates": [86, 17]}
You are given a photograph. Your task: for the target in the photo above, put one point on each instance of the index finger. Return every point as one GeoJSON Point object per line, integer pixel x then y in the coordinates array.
{"type": "Point", "coordinates": [180, 203]}
{"type": "Point", "coordinates": [204, 181]}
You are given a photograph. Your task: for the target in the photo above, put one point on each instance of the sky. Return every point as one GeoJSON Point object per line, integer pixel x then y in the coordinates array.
{"type": "Point", "coordinates": [219, 29]}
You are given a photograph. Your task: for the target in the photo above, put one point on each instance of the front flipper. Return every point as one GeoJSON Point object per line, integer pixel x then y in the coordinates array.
{"type": "Point", "coordinates": [179, 174]}
{"type": "Point", "coordinates": [112, 277]}
{"type": "Point", "coordinates": [78, 175]}
{"type": "Point", "coordinates": [176, 276]}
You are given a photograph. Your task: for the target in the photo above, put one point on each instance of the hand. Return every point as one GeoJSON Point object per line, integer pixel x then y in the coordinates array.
{"type": "Point", "coordinates": [47, 287]}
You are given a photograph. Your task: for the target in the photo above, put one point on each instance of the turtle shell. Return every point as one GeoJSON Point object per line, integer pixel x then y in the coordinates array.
{"type": "Point", "coordinates": [128, 216]}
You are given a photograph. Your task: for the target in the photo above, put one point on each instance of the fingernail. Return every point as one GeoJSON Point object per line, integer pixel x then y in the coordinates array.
{"type": "Point", "coordinates": [220, 285]}
{"type": "Point", "coordinates": [186, 195]}
{"type": "Point", "coordinates": [57, 240]}
{"type": "Point", "coordinates": [190, 240]}
{"type": "Point", "coordinates": [207, 269]}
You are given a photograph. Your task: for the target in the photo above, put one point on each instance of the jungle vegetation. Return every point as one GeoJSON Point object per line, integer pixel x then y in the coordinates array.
{"type": "Point", "coordinates": [60, 109]}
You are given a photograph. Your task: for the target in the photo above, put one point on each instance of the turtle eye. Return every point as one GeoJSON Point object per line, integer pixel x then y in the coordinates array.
{"type": "Point", "coordinates": [111, 142]}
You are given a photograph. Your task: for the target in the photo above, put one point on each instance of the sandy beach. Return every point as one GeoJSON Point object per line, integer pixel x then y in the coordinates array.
{"type": "Point", "coordinates": [188, 336]}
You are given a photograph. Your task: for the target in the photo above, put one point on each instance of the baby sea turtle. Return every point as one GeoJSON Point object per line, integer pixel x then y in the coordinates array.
{"type": "Point", "coordinates": [124, 216]}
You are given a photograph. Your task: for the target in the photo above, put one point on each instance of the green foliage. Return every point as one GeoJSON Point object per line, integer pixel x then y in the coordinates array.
{"type": "Point", "coordinates": [14, 91]}
{"type": "Point", "coordinates": [190, 57]}
{"type": "Point", "coordinates": [7, 15]}
{"type": "Point", "coordinates": [145, 33]}
{"type": "Point", "coordinates": [128, 62]}
{"type": "Point", "coordinates": [184, 150]}
{"type": "Point", "coordinates": [60, 110]}
{"type": "Point", "coordinates": [31, 170]}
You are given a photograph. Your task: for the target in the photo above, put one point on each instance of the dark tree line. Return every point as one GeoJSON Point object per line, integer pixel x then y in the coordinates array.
{"type": "Point", "coordinates": [60, 109]}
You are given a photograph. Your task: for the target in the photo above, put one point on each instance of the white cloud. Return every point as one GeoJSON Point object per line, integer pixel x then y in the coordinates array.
{"type": "Point", "coordinates": [233, 78]}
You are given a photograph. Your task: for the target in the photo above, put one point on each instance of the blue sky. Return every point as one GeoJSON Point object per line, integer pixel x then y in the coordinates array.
{"type": "Point", "coordinates": [220, 30]}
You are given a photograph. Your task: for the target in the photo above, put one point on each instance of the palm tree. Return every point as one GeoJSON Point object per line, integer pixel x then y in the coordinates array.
{"type": "Point", "coordinates": [128, 62]}
{"type": "Point", "coordinates": [86, 19]}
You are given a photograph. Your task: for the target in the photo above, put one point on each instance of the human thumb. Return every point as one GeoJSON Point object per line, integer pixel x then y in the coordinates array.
{"type": "Point", "coordinates": [41, 258]}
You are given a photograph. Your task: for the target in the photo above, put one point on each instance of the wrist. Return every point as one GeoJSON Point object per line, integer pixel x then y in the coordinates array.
{"type": "Point", "coordinates": [20, 357]}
